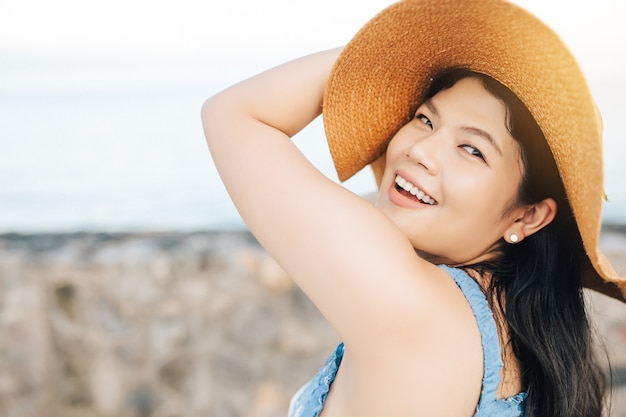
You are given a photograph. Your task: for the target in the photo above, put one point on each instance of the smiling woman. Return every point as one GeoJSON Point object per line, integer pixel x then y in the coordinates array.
{"type": "Point", "coordinates": [485, 227]}
{"type": "Point", "coordinates": [461, 131]}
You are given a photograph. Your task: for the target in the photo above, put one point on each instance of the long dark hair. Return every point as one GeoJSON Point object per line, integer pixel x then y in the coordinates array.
{"type": "Point", "coordinates": [537, 283]}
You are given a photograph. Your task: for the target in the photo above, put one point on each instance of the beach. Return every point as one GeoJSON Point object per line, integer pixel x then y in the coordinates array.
{"type": "Point", "coordinates": [177, 324]}
{"type": "Point", "coordinates": [129, 286]}
{"type": "Point", "coordinates": [193, 321]}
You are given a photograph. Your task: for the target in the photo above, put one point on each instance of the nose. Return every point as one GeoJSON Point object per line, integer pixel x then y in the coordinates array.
{"type": "Point", "coordinates": [426, 152]}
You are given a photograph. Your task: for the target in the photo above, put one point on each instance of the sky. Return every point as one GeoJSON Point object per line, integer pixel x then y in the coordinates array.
{"type": "Point", "coordinates": [202, 46]}
{"type": "Point", "coordinates": [42, 40]}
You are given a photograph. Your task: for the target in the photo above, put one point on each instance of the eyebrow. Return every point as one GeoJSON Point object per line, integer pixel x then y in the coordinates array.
{"type": "Point", "coordinates": [431, 106]}
{"type": "Point", "coordinates": [471, 130]}
{"type": "Point", "coordinates": [485, 135]}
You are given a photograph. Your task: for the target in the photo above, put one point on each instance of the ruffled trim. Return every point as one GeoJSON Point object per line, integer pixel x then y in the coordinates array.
{"type": "Point", "coordinates": [310, 399]}
{"type": "Point", "coordinates": [507, 407]}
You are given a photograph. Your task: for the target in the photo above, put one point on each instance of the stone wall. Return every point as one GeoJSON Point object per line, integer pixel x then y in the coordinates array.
{"type": "Point", "coordinates": [168, 325]}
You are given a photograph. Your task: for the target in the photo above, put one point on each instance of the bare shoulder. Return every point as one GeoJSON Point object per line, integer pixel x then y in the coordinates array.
{"type": "Point", "coordinates": [432, 315]}
{"type": "Point", "coordinates": [427, 355]}
{"type": "Point", "coordinates": [419, 301]}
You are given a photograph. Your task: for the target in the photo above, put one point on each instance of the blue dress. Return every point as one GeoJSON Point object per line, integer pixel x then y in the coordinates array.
{"type": "Point", "coordinates": [310, 399]}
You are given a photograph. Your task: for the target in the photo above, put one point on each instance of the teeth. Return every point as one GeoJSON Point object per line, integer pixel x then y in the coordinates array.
{"type": "Point", "coordinates": [410, 188]}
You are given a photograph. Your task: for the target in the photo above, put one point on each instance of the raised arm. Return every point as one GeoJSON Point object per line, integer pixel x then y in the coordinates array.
{"type": "Point", "coordinates": [338, 248]}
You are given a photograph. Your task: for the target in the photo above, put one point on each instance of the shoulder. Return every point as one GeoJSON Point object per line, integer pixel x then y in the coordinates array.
{"type": "Point", "coordinates": [417, 304]}
{"type": "Point", "coordinates": [428, 355]}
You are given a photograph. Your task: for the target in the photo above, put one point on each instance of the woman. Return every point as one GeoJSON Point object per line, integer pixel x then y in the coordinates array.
{"type": "Point", "coordinates": [458, 292]}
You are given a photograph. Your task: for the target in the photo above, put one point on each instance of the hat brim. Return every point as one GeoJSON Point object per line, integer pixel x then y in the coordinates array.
{"type": "Point", "coordinates": [382, 74]}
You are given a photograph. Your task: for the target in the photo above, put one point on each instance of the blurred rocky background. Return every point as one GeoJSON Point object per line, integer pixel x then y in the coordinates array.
{"type": "Point", "coordinates": [176, 325]}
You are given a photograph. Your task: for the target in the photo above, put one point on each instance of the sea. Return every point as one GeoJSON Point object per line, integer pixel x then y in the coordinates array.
{"type": "Point", "coordinates": [133, 158]}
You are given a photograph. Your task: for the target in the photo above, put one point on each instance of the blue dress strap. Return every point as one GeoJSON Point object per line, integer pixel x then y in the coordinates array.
{"type": "Point", "coordinates": [492, 360]}
{"type": "Point", "coordinates": [488, 404]}
{"type": "Point", "coordinates": [309, 400]}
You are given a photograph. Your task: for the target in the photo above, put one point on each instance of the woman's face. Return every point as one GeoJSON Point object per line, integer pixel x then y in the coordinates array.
{"type": "Point", "coordinates": [462, 169]}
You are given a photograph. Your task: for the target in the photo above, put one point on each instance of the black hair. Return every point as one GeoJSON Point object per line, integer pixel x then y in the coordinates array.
{"type": "Point", "coordinates": [536, 284]}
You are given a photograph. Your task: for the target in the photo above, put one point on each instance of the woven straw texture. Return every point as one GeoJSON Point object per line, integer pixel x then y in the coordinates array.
{"type": "Point", "coordinates": [381, 76]}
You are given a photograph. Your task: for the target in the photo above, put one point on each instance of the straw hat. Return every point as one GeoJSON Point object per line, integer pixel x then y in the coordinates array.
{"type": "Point", "coordinates": [383, 72]}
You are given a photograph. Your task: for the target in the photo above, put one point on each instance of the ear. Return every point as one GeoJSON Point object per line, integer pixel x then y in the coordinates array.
{"type": "Point", "coordinates": [531, 219]}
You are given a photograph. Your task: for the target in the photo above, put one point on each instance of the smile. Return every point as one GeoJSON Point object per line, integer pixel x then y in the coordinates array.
{"type": "Point", "coordinates": [403, 184]}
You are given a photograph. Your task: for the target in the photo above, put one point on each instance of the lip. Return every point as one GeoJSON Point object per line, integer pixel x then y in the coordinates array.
{"type": "Point", "coordinates": [401, 199]}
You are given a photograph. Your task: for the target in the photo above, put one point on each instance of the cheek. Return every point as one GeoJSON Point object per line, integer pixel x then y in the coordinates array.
{"type": "Point", "coordinates": [484, 196]}
{"type": "Point", "coordinates": [393, 154]}
{"type": "Point", "coordinates": [403, 137]}
{"type": "Point", "coordinates": [395, 146]}
{"type": "Point", "coordinates": [466, 185]}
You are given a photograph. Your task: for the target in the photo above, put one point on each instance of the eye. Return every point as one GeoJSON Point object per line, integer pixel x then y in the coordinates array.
{"type": "Point", "coordinates": [425, 120]}
{"type": "Point", "coordinates": [473, 151]}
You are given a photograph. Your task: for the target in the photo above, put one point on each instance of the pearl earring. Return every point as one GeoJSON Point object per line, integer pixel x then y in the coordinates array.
{"type": "Point", "coordinates": [514, 238]}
